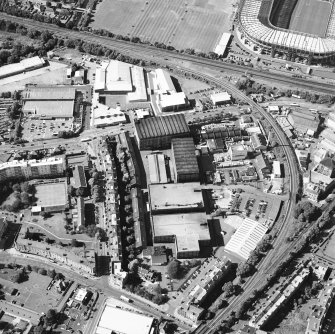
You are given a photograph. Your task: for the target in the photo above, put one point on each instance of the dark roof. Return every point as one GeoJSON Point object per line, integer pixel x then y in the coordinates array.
{"type": "Point", "coordinates": [79, 176]}
{"type": "Point", "coordinates": [328, 162]}
{"type": "Point", "coordinates": [161, 126]}
{"type": "Point", "coordinates": [185, 161]}
{"type": "Point", "coordinates": [223, 133]}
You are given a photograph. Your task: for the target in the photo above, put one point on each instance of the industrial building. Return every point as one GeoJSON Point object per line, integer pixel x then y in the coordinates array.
{"type": "Point", "coordinates": [24, 65]}
{"type": "Point", "coordinates": [258, 142]}
{"type": "Point", "coordinates": [156, 133]}
{"type": "Point", "coordinates": [276, 169]}
{"type": "Point", "coordinates": [55, 102]}
{"type": "Point", "coordinates": [118, 320]}
{"type": "Point", "coordinates": [176, 198]}
{"type": "Point", "coordinates": [188, 232]}
{"type": "Point", "coordinates": [118, 78]}
{"type": "Point", "coordinates": [3, 229]}
{"type": "Point", "coordinates": [164, 91]}
{"type": "Point", "coordinates": [324, 173]}
{"type": "Point", "coordinates": [32, 169]}
{"type": "Point", "coordinates": [304, 122]}
{"type": "Point", "coordinates": [157, 168]}
{"type": "Point", "coordinates": [237, 152]}
{"type": "Point", "coordinates": [221, 48]}
{"type": "Point", "coordinates": [103, 115]}
{"type": "Point", "coordinates": [220, 98]}
{"type": "Point", "coordinates": [184, 161]}
{"type": "Point", "coordinates": [246, 238]}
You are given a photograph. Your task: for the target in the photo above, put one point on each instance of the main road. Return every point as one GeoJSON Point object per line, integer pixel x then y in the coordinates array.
{"type": "Point", "coordinates": [149, 52]}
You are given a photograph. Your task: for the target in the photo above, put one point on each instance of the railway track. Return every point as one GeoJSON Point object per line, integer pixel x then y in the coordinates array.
{"type": "Point", "coordinates": [149, 52]}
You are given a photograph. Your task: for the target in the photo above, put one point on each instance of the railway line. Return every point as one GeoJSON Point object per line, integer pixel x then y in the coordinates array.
{"type": "Point", "coordinates": [147, 51]}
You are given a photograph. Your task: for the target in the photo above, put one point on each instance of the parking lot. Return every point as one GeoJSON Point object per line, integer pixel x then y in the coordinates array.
{"type": "Point", "coordinates": [40, 129]}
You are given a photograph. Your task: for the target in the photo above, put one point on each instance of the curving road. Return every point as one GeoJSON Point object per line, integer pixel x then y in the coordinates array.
{"type": "Point", "coordinates": [146, 51]}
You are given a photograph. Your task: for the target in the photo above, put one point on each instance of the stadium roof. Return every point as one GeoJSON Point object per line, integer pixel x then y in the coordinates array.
{"type": "Point", "coordinates": [49, 93]}
{"type": "Point", "coordinates": [253, 26]}
{"type": "Point", "coordinates": [57, 109]}
{"type": "Point", "coordinates": [184, 155]}
{"type": "Point", "coordinates": [246, 238]}
{"type": "Point", "coordinates": [161, 126]}
{"type": "Point", "coordinates": [121, 321]}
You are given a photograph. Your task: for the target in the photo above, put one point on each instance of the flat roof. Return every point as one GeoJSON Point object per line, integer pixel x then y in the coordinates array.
{"type": "Point", "coordinates": [176, 196]}
{"type": "Point", "coordinates": [57, 109]}
{"type": "Point", "coordinates": [50, 194]}
{"type": "Point", "coordinates": [23, 65]}
{"type": "Point", "coordinates": [220, 97]}
{"type": "Point", "coordinates": [222, 45]}
{"type": "Point", "coordinates": [175, 99]}
{"type": "Point", "coordinates": [140, 93]}
{"type": "Point", "coordinates": [164, 81]}
{"type": "Point", "coordinates": [118, 77]}
{"type": "Point", "coordinates": [188, 228]}
{"type": "Point", "coordinates": [161, 126]}
{"type": "Point", "coordinates": [49, 93]}
{"type": "Point", "coordinates": [121, 321]}
{"type": "Point", "coordinates": [184, 155]}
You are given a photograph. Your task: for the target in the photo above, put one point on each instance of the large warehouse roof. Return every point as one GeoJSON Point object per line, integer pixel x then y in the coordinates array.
{"type": "Point", "coordinates": [164, 82]}
{"type": "Point", "coordinates": [246, 238]}
{"type": "Point", "coordinates": [176, 99]}
{"type": "Point", "coordinates": [49, 93]}
{"type": "Point", "coordinates": [118, 77]}
{"type": "Point", "coordinates": [23, 65]}
{"type": "Point", "coordinates": [184, 155]}
{"type": "Point", "coordinates": [270, 35]}
{"type": "Point", "coordinates": [161, 126]}
{"type": "Point", "coordinates": [57, 109]}
{"type": "Point", "coordinates": [120, 321]}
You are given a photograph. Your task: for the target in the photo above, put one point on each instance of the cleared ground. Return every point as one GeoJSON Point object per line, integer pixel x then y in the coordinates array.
{"type": "Point", "coordinates": [182, 24]}
{"type": "Point", "coordinates": [311, 16]}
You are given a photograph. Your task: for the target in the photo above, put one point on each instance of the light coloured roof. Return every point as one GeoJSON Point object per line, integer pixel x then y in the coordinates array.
{"type": "Point", "coordinates": [222, 45]}
{"type": "Point", "coordinates": [57, 109]}
{"type": "Point", "coordinates": [118, 77]}
{"type": "Point", "coordinates": [140, 93]}
{"type": "Point", "coordinates": [282, 37]}
{"type": "Point", "coordinates": [120, 321]}
{"type": "Point", "coordinates": [164, 81]}
{"type": "Point", "coordinates": [107, 115]}
{"type": "Point", "coordinates": [246, 238]}
{"type": "Point", "coordinates": [220, 97]}
{"type": "Point", "coordinates": [49, 93]}
{"type": "Point", "coordinates": [157, 169]}
{"type": "Point", "coordinates": [175, 99]}
{"type": "Point", "coordinates": [23, 65]}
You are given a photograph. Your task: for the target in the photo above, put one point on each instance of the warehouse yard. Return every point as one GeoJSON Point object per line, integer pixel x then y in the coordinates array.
{"type": "Point", "coordinates": [196, 24]}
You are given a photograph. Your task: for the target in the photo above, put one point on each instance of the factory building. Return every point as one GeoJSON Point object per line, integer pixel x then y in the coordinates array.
{"type": "Point", "coordinates": [184, 161]}
{"type": "Point", "coordinates": [157, 133]}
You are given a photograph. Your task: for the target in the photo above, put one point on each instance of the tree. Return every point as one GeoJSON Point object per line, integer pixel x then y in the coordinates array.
{"type": "Point", "coordinates": [80, 192]}
{"type": "Point", "coordinates": [244, 269]}
{"type": "Point", "coordinates": [174, 269]}
{"type": "Point", "coordinates": [42, 271]}
{"type": "Point", "coordinates": [52, 273]}
{"type": "Point", "coordinates": [51, 317]}
{"type": "Point", "coordinates": [133, 266]}
{"type": "Point", "coordinates": [74, 243]}
{"type": "Point", "coordinates": [228, 289]}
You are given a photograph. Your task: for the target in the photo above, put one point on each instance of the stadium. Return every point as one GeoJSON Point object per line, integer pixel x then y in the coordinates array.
{"type": "Point", "coordinates": [289, 28]}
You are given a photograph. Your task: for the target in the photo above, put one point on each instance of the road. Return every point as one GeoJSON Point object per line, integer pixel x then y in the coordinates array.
{"type": "Point", "coordinates": [148, 52]}
{"type": "Point", "coordinates": [145, 51]}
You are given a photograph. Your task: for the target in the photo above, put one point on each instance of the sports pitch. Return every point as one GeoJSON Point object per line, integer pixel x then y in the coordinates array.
{"type": "Point", "coordinates": [51, 194]}
{"type": "Point", "coordinates": [311, 16]}
{"type": "Point", "coordinates": [197, 24]}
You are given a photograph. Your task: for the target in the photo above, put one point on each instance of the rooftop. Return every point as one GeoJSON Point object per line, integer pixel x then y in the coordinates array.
{"type": "Point", "coordinates": [188, 228]}
{"type": "Point", "coordinates": [161, 126]}
{"type": "Point", "coordinates": [79, 176]}
{"type": "Point", "coordinates": [184, 155]}
{"type": "Point", "coordinates": [49, 93]}
{"type": "Point", "coordinates": [51, 194]}
{"type": "Point", "coordinates": [175, 99]}
{"type": "Point", "coordinates": [220, 97]}
{"type": "Point", "coordinates": [121, 321]}
{"type": "Point", "coordinates": [51, 108]}
{"type": "Point", "coordinates": [176, 196]}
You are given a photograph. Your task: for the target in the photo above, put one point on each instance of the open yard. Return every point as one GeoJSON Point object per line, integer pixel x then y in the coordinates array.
{"type": "Point", "coordinates": [33, 293]}
{"type": "Point", "coordinates": [311, 16]}
{"type": "Point", "coordinates": [196, 24]}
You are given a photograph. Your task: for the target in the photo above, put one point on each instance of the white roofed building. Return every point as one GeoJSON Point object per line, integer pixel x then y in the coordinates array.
{"type": "Point", "coordinates": [220, 49]}
{"type": "Point", "coordinates": [220, 98]}
{"type": "Point", "coordinates": [174, 102]}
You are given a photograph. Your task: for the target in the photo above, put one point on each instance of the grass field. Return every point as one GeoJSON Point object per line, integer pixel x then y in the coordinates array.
{"type": "Point", "coordinates": [311, 16]}
{"type": "Point", "coordinates": [182, 24]}
{"type": "Point", "coordinates": [330, 248]}
{"type": "Point", "coordinates": [33, 293]}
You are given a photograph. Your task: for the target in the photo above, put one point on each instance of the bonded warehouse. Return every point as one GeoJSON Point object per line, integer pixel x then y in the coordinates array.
{"type": "Point", "coordinates": [157, 133]}
{"type": "Point", "coordinates": [184, 160]}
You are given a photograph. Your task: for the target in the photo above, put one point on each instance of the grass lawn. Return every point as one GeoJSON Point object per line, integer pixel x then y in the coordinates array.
{"type": "Point", "coordinates": [33, 293]}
